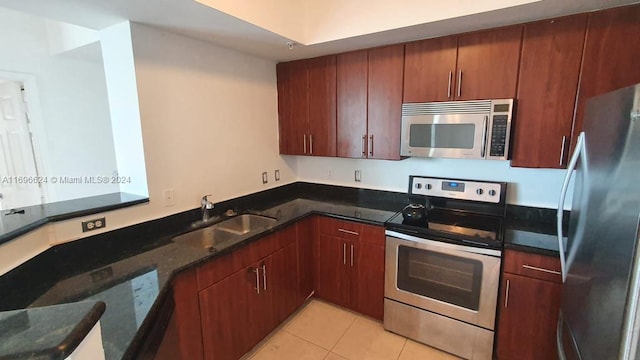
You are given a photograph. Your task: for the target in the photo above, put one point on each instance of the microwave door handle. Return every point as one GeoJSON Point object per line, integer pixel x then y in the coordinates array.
{"type": "Point", "coordinates": [484, 136]}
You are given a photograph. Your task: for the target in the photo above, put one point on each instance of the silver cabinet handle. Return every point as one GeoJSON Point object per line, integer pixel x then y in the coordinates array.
{"type": "Point", "coordinates": [564, 140]}
{"type": "Point", "coordinates": [535, 268]}
{"type": "Point", "coordinates": [257, 271]}
{"type": "Point", "coordinates": [371, 145]}
{"type": "Point", "coordinates": [304, 143]}
{"type": "Point", "coordinates": [348, 231]}
{"type": "Point", "coordinates": [506, 295]}
{"type": "Point", "coordinates": [364, 145]}
{"type": "Point", "coordinates": [563, 193]}
{"type": "Point", "coordinates": [484, 137]}
{"type": "Point", "coordinates": [460, 83]}
{"type": "Point", "coordinates": [264, 276]}
{"type": "Point", "coordinates": [310, 144]}
{"type": "Point", "coordinates": [344, 253]}
{"type": "Point", "coordinates": [449, 86]}
{"type": "Point", "coordinates": [351, 255]}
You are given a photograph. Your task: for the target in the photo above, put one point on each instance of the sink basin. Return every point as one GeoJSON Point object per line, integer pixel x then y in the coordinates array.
{"type": "Point", "coordinates": [230, 229]}
{"type": "Point", "coordinates": [205, 238]}
{"type": "Point", "coordinates": [246, 223]}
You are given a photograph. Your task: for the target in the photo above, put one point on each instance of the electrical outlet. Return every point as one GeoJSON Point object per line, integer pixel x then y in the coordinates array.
{"type": "Point", "coordinates": [264, 178]}
{"type": "Point", "coordinates": [276, 175]}
{"type": "Point", "coordinates": [329, 174]}
{"type": "Point", "coordinates": [169, 197]}
{"type": "Point", "coordinates": [89, 225]}
{"type": "Point", "coordinates": [358, 176]}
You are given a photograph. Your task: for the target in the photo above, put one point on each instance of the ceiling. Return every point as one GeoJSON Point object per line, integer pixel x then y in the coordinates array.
{"type": "Point", "coordinates": [195, 20]}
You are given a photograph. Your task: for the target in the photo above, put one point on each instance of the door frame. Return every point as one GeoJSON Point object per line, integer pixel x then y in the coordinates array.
{"type": "Point", "coordinates": [34, 110]}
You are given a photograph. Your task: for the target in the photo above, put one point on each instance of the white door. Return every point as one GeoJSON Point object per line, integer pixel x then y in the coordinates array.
{"type": "Point", "coordinates": [18, 174]}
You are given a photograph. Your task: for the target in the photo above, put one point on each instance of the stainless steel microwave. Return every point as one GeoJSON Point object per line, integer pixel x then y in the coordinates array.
{"type": "Point", "coordinates": [478, 129]}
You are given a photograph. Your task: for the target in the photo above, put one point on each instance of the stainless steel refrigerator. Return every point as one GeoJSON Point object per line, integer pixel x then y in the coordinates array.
{"type": "Point", "coordinates": [599, 316]}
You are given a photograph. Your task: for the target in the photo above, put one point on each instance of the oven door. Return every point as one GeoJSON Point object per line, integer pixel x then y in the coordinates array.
{"type": "Point", "coordinates": [456, 281]}
{"type": "Point", "coordinates": [450, 136]}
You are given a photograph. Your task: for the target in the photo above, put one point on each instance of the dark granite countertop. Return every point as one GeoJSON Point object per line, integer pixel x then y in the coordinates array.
{"type": "Point", "coordinates": [130, 269]}
{"type": "Point", "coordinates": [130, 273]}
{"type": "Point", "coordinates": [533, 230]}
{"type": "Point", "coordinates": [16, 222]}
{"type": "Point", "coordinates": [52, 332]}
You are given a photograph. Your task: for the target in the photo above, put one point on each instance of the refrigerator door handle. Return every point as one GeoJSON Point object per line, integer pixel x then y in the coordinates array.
{"type": "Point", "coordinates": [563, 193]}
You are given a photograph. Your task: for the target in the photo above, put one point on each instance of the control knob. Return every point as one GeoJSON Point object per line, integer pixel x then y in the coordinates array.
{"type": "Point", "coordinates": [492, 192]}
{"type": "Point", "coordinates": [428, 186]}
{"type": "Point", "coordinates": [479, 191]}
{"type": "Point", "coordinates": [418, 186]}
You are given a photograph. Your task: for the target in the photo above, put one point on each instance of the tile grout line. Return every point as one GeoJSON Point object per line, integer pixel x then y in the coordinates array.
{"type": "Point", "coordinates": [355, 317]}
{"type": "Point", "coordinates": [401, 350]}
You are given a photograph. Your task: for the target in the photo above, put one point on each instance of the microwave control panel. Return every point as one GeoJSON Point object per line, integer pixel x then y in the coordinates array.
{"type": "Point", "coordinates": [500, 128]}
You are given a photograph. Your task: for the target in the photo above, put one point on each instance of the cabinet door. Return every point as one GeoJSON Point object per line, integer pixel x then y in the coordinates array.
{"type": "Point", "coordinates": [293, 107]}
{"type": "Point", "coordinates": [282, 283]}
{"type": "Point", "coordinates": [384, 102]}
{"type": "Point", "coordinates": [333, 269]}
{"type": "Point", "coordinates": [227, 323]}
{"type": "Point", "coordinates": [367, 273]}
{"type": "Point", "coordinates": [488, 64]}
{"type": "Point", "coordinates": [549, 71]}
{"type": "Point", "coordinates": [429, 68]}
{"type": "Point", "coordinates": [306, 230]}
{"type": "Point", "coordinates": [187, 315]}
{"type": "Point", "coordinates": [611, 56]}
{"type": "Point", "coordinates": [352, 104]}
{"type": "Point", "coordinates": [322, 106]}
{"type": "Point", "coordinates": [528, 318]}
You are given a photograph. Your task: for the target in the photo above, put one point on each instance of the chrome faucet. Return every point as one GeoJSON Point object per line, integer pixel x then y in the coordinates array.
{"type": "Point", "coordinates": [205, 206]}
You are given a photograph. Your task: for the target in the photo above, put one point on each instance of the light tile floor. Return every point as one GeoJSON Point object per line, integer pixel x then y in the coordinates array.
{"type": "Point", "coordinates": [324, 331]}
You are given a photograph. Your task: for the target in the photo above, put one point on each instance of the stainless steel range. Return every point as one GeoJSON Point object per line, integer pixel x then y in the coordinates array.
{"type": "Point", "coordinates": [442, 264]}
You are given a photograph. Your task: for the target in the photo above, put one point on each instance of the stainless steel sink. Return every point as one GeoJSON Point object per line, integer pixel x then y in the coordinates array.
{"type": "Point", "coordinates": [246, 223]}
{"type": "Point", "coordinates": [227, 230]}
{"type": "Point", "coordinates": [205, 238]}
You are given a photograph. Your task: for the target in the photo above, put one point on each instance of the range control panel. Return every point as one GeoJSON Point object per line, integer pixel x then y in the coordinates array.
{"type": "Point", "coordinates": [456, 189]}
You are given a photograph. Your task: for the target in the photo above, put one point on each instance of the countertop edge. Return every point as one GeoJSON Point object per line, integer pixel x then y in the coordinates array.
{"type": "Point", "coordinates": [49, 218]}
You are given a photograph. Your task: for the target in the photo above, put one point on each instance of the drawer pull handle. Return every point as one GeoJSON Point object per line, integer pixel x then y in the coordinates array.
{"type": "Point", "coordinates": [541, 269]}
{"type": "Point", "coordinates": [348, 232]}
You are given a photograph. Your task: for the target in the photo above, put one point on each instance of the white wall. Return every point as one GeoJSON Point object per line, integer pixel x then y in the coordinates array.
{"type": "Point", "coordinates": [71, 122]}
{"type": "Point", "coordinates": [530, 187]}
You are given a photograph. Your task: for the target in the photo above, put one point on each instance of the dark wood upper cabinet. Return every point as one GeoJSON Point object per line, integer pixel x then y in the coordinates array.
{"type": "Point", "coordinates": [429, 68]}
{"type": "Point", "coordinates": [352, 76]}
{"type": "Point", "coordinates": [488, 64]}
{"type": "Point", "coordinates": [547, 87]}
{"type": "Point", "coordinates": [384, 102]}
{"type": "Point", "coordinates": [611, 56]}
{"type": "Point", "coordinates": [307, 106]}
{"type": "Point", "coordinates": [293, 106]}
{"type": "Point", "coordinates": [322, 106]}
{"type": "Point", "coordinates": [369, 102]}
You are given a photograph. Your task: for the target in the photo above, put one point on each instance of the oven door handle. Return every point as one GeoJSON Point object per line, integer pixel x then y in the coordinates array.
{"type": "Point", "coordinates": [444, 245]}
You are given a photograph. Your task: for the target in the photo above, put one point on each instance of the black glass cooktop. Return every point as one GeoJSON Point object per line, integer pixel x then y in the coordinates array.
{"type": "Point", "coordinates": [453, 226]}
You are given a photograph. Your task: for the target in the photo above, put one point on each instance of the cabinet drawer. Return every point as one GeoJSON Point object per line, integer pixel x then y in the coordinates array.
{"type": "Point", "coordinates": [340, 228]}
{"type": "Point", "coordinates": [219, 268]}
{"type": "Point", "coordinates": [532, 265]}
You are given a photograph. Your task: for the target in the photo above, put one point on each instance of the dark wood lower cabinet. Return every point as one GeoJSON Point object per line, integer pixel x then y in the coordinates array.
{"type": "Point", "coordinates": [528, 316]}
{"type": "Point", "coordinates": [351, 268]}
{"type": "Point", "coordinates": [227, 306]}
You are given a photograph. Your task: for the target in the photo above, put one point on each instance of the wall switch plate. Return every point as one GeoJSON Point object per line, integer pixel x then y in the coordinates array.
{"type": "Point", "coordinates": [90, 225]}
{"type": "Point", "coordinates": [358, 176]}
{"type": "Point", "coordinates": [169, 197]}
{"type": "Point", "coordinates": [277, 175]}
{"type": "Point", "coordinates": [264, 178]}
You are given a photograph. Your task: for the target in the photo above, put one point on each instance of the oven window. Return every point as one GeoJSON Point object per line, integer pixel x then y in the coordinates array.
{"type": "Point", "coordinates": [443, 136]}
{"type": "Point", "coordinates": [454, 280]}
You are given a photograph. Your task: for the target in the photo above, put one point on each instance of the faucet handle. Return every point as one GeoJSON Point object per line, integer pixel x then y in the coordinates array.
{"type": "Point", "coordinates": [206, 203]}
